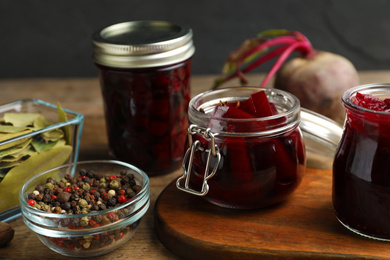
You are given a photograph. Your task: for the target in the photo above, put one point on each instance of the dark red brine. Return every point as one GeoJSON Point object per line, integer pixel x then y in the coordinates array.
{"type": "Point", "coordinates": [361, 169]}
{"type": "Point", "coordinates": [146, 91]}
{"type": "Point", "coordinates": [256, 133]}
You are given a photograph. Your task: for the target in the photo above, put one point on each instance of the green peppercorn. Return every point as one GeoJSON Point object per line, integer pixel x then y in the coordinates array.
{"type": "Point", "coordinates": [84, 221]}
{"type": "Point", "coordinates": [114, 184]}
{"type": "Point", "coordinates": [37, 206]}
{"type": "Point", "coordinates": [86, 187]}
{"type": "Point", "coordinates": [49, 185]}
{"type": "Point", "coordinates": [83, 203]}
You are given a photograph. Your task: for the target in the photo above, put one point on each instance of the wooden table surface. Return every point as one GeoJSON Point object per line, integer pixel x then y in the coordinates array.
{"type": "Point", "coordinates": [83, 95]}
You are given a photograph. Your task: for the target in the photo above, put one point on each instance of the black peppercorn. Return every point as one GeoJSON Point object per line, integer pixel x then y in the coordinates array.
{"type": "Point", "coordinates": [102, 206]}
{"type": "Point", "coordinates": [111, 201]}
{"type": "Point", "coordinates": [66, 206]}
{"type": "Point", "coordinates": [40, 188]}
{"type": "Point", "coordinates": [83, 172]}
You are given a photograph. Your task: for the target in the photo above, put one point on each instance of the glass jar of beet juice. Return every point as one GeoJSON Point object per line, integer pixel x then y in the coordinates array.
{"type": "Point", "coordinates": [361, 168]}
{"type": "Point", "coordinates": [144, 72]}
{"type": "Point", "coordinates": [245, 147]}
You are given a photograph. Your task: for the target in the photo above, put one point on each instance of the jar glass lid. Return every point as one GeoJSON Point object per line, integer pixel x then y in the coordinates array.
{"type": "Point", "coordinates": [321, 136]}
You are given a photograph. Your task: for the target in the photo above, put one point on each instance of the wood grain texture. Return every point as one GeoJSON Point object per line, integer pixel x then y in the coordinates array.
{"type": "Point", "coordinates": [303, 227]}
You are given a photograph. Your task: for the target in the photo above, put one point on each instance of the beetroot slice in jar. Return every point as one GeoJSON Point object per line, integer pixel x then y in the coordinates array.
{"type": "Point", "coordinates": [370, 102]}
{"type": "Point", "coordinates": [240, 163]}
{"type": "Point", "coordinates": [259, 105]}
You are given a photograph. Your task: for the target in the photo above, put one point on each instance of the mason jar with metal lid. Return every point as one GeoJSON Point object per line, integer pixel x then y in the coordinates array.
{"type": "Point", "coordinates": [144, 72]}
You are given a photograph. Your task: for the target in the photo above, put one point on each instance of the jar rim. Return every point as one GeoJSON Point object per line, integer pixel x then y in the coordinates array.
{"type": "Point", "coordinates": [378, 88]}
{"type": "Point", "coordinates": [292, 114]}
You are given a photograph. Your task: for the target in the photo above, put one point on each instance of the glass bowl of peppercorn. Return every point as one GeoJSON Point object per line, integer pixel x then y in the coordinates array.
{"type": "Point", "coordinates": [86, 208]}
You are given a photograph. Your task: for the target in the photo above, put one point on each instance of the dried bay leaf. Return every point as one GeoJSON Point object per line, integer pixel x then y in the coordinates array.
{"type": "Point", "coordinates": [52, 135]}
{"type": "Point", "coordinates": [15, 149]}
{"type": "Point", "coordinates": [12, 144]}
{"type": "Point", "coordinates": [7, 136]}
{"type": "Point", "coordinates": [41, 122]}
{"type": "Point", "coordinates": [42, 146]}
{"type": "Point", "coordinates": [20, 119]}
{"type": "Point", "coordinates": [62, 118]}
{"type": "Point", "coordinates": [21, 155]}
{"type": "Point", "coordinates": [9, 129]}
{"type": "Point", "coordinates": [7, 165]}
{"type": "Point", "coordinates": [37, 163]}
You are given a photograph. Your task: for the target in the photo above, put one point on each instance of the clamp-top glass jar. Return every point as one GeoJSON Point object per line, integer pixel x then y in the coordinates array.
{"type": "Point", "coordinates": [361, 168]}
{"type": "Point", "coordinates": [243, 163]}
{"type": "Point", "coordinates": [144, 72]}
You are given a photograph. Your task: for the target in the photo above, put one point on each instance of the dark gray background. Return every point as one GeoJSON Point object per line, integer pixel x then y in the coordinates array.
{"type": "Point", "coordinates": [48, 38]}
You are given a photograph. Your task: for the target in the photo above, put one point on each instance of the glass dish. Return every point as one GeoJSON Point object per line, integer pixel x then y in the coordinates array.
{"type": "Point", "coordinates": [39, 145]}
{"type": "Point", "coordinates": [103, 230]}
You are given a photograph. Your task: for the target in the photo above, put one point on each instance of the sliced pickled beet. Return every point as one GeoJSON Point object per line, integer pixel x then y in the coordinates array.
{"type": "Point", "coordinates": [370, 102]}
{"type": "Point", "coordinates": [247, 106]}
{"type": "Point", "coordinates": [262, 107]}
{"type": "Point", "coordinates": [239, 158]}
{"type": "Point", "coordinates": [255, 106]}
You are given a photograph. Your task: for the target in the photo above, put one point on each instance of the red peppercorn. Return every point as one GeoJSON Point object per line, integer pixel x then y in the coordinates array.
{"type": "Point", "coordinates": [120, 235]}
{"type": "Point", "coordinates": [54, 197]}
{"type": "Point", "coordinates": [70, 226]}
{"type": "Point", "coordinates": [113, 216]}
{"type": "Point", "coordinates": [121, 192]}
{"type": "Point", "coordinates": [122, 199]}
{"type": "Point", "coordinates": [67, 189]}
{"type": "Point", "coordinates": [91, 184]}
{"type": "Point", "coordinates": [92, 191]}
{"type": "Point", "coordinates": [31, 202]}
{"type": "Point", "coordinates": [83, 177]}
{"type": "Point", "coordinates": [76, 188]}
{"type": "Point", "coordinates": [93, 223]}
{"type": "Point", "coordinates": [112, 177]}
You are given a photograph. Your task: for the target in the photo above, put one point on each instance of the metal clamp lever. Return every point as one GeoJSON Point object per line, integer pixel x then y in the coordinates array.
{"type": "Point", "coordinates": [194, 147]}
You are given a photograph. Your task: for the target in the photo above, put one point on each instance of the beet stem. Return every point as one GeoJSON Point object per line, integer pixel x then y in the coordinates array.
{"type": "Point", "coordinates": [283, 57]}
{"type": "Point", "coordinates": [253, 52]}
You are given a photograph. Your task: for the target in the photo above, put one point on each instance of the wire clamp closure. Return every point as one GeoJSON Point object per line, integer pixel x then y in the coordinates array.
{"type": "Point", "coordinates": [193, 147]}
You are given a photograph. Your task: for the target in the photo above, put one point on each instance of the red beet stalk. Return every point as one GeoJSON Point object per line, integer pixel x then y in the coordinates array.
{"type": "Point", "coordinates": [255, 52]}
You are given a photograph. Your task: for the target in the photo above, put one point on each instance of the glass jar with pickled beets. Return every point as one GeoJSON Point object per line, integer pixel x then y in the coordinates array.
{"type": "Point", "coordinates": [361, 168]}
{"type": "Point", "coordinates": [144, 72]}
{"type": "Point", "coordinates": [245, 147]}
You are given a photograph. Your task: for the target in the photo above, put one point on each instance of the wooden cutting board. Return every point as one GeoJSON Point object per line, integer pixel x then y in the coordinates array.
{"type": "Point", "coordinates": [303, 227]}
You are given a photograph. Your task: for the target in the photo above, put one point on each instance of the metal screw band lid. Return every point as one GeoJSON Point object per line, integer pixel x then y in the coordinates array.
{"type": "Point", "coordinates": [140, 44]}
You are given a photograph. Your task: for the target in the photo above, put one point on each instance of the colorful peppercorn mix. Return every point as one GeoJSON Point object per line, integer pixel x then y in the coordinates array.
{"type": "Point", "coordinates": [84, 194]}
{"type": "Point", "coordinates": [88, 193]}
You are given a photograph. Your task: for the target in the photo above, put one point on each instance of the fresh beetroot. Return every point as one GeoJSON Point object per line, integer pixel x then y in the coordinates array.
{"type": "Point", "coordinates": [317, 78]}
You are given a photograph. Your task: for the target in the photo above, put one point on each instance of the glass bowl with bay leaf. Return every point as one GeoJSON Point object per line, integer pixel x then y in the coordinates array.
{"type": "Point", "coordinates": [34, 136]}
